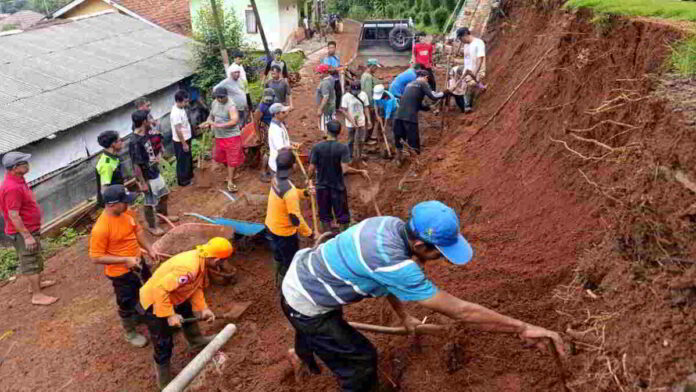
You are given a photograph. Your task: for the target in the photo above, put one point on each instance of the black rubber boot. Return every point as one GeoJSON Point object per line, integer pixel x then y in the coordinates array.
{"type": "Point", "coordinates": [132, 336]}
{"type": "Point", "coordinates": [163, 374]}
{"type": "Point", "coordinates": [194, 337]}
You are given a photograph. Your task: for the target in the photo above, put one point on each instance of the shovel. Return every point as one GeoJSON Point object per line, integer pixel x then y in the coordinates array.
{"type": "Point", "coordinates": [313, 198]}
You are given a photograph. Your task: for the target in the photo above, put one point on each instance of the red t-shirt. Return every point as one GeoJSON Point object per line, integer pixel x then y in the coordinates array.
{"type": "Point", "coordinates": [16, 195]}
{"type": "Point", "coordinates": [424, 54]}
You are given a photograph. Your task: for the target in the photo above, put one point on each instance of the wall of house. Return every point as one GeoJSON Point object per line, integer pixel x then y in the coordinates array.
{"type": "Point", "coordinates": [279, 18]}
{"type": "Point", "coordinates": [89, 7]}
{"type": "Point", "coordinates": [63, 168]}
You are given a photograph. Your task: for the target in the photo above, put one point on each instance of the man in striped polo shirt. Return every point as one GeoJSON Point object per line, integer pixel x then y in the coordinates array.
{"type": "Point", "coordinates": [380, 257]}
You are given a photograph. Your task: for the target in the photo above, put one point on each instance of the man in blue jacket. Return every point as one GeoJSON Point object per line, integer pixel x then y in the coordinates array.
{"type": "Point", "coordinates": [398, 85]}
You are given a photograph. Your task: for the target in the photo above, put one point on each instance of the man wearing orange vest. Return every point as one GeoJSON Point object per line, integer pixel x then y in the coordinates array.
{"type": "Point", "coordinates": [175, 292]}
{"type": "Point", "coordinates": [115, 243]}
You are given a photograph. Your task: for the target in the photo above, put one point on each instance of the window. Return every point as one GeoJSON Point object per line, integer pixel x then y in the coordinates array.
{"type": "Point", "coordinates": [250, 19]}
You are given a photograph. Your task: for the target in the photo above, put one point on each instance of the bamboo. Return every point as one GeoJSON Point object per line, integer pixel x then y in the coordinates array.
{"type": "Point", "coordinates": [423, 329]}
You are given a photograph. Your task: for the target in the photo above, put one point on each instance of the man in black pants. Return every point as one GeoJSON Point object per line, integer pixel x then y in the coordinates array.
{"type": "Point", "coordinates": [115, 243]}
{"type": "Point", "coordinates": [182, 138]}
{"type": "Point", "coordinates": [330, 159]}
{"type": "Point", "coordinates": [406, 119]}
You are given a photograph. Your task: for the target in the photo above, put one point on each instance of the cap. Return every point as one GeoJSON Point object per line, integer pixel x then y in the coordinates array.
{"type": "Point", "coordinates": [378, 91]}
{"type": "Point", "coordinates": [437, 224]}
{"type": "Point", "coordinates": [322, 68]}
{"type": "Point", "coordinates": [333, 127]}
{"type": "Point", "coordinates": [462, 31]}
{"type": "Point", "coordinates": [238, 53]}
{"type": "Point", "coordinates": [277, 108]}
{"type": "Point", "coordinates": [216, 247]}
{"type": "Point", "coordinates": [268, 95]}
{"type": "Point", "coordinates": [107, 138]}
{"type": "Point", "coordinates": [373, 62]}
{"type": "Point", "coordinates": [117, 193]}
{"type": "Point", "coordinates": [355, 85]}
{"type": "Point", "coordinates": [220, 92]}
{"type": "Point", "coordinates": [13, 158]}
{"type": "Point", "coordinates": [284, 161]}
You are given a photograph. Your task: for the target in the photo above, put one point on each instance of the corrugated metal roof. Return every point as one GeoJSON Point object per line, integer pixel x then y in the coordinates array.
{"type": "Point", "coordinates": [54, 78]}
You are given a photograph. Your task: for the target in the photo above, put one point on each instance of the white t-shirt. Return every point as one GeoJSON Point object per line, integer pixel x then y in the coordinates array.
{"type": "Point", "coordinates": [355, 108]}
{"type": "Point", "coordinates": [277, 138]}
{"type": "Point", "coordinates": [472, 51]}
{"type": "Point", "coordinates": [176, 117]}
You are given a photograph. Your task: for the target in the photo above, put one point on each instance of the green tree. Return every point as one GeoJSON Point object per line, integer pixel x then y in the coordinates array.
{"type": "Point", "coordinates": [435, 4]}
{"type": "Point", "coordinates": [426, 20]}
{"type": "Point", "coordinates": [451, 4]}
{"type": "Point", "coordinates": [209, 67]}
{"type": "Point", "coordinates": [392, 11]}
{"type": "Point", "coordinates": [440, 17]}
{"type": "Point", "coordinates": [47, 7]}
{"type": "Point", "coordinates": [379, 7]}
{"type": "Point", "coordinates": [359, 12]}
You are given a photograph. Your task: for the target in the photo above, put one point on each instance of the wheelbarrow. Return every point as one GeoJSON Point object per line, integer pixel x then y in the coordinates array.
{"type": "Point", "coordinates": [239, 227]}
{"type": "Point", "coordinates": [186, 236]}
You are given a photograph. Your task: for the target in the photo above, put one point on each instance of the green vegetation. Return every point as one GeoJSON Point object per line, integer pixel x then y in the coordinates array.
{"type": "Point", "coordinates": [440, 18]}
{"type": "Point", "coordinates": [603, 22]}
{"type": "Point", "coordinates": [49, 247]}
{"type": "Point", "coordinates": [426, 19]}
{"type": "Point", "coordinates": [683, 57]}
{"type": "Point", "coordinates": [671, 9]}
{"type": "Point", "coordinates": [9, 27]}
{"type": "Point", "coordinates": [429, 16]}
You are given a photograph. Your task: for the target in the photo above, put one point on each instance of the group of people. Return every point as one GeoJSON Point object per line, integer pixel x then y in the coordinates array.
{"type": "Point", "coordinates": [378, 257]}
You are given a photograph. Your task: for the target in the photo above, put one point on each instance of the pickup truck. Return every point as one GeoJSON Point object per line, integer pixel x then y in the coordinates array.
{"type": "Point", "coordinates": [389, 41]}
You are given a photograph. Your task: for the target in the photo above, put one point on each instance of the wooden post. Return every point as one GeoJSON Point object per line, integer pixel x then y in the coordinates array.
{"type": "Point", "coordinates": [260, 27]}
{"type": "Point", "coordinates": [221, 36]}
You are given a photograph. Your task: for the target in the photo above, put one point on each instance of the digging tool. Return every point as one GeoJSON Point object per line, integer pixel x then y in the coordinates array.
{"type": "Point", "coordinates": [312, 197]}
{"type": "Point", "coordinates": [384, 136]}
{"type": "Point", "coordinates": [447, 75]}
{"type": "Point", "coordinates": [227, 194]}
{"type": "Point", "coordinates": [423, 329]}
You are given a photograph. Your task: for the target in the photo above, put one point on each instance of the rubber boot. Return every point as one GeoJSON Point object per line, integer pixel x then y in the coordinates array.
{"type": "Point", "coordinates": [194, 337]}
{"type": "Point", "coordinates": [399, 158]}
{"type": "Point", "coordinates": [163, 374]}
{"type": "Point", "coordinates": [468, 98]}
{"type": "Point", "coordinates": [132, 336]}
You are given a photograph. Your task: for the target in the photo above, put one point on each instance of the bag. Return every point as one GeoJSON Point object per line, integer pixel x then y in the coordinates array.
{"type": "Point", "coordinates": [250, 137]}
{"type": "Point", "coordinates": [158, 189]}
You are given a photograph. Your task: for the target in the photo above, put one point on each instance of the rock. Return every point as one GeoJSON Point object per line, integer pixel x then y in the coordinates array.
{"type": "Point", "coordinates": [12, 279]}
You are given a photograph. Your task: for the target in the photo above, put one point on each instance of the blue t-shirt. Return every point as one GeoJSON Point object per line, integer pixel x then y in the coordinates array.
{"type": "Point", "coordinates": [388, 105]}
{"type": "Point", "coordinates": [332, 61]}
{"type": "Point", "coordinates": [398, 85]}
{"type": "Point", "coordinates": [266, 115]}
{"type": "Point", "coordinates": [371, 259]}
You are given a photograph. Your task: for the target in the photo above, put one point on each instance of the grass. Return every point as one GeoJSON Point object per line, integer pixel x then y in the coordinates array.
{"type": "Point", "coordinates": [49, 247]}
{"type": "Point", "coordinates": [683, 57]}
{"type": "Point", "coordinates": [669, 9]}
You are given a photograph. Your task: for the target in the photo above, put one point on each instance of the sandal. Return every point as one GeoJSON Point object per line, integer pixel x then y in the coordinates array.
{"type": "Point", "coordinates": [231, 187]}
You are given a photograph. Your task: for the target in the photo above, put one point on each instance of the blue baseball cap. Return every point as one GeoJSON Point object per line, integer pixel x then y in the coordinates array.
{"type": "Point", "coordinates": [437, 224]}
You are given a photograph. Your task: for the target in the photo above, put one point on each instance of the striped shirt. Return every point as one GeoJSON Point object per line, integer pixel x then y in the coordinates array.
{"type": "Point", "coordinates": [371, 259]}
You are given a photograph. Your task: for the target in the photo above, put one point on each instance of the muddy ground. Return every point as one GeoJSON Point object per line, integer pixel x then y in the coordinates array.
{"type": "Point", "coordinates": [595, 235]}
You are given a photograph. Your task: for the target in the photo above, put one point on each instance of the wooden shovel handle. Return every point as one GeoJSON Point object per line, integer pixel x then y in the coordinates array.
{"type": "Point", "coordinates": [424, 329]}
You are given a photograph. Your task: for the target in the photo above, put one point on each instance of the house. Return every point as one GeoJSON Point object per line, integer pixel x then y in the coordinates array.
{"type": "Point", "coordinates": [280, 20]}
{"type": "Point", "coordinates": [172, 15]}
{"type": "Point", "coordinates": [21, 20]}
{"type": "Point", "coordinates": [64, 83]}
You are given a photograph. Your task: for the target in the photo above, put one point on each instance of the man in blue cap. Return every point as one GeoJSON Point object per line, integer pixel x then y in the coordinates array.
{"type": "Point", "coordinates": [380, 257]}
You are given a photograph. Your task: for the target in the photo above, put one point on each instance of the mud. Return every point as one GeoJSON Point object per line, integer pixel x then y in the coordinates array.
{"type": "Point", "coordinates": [547, 225]}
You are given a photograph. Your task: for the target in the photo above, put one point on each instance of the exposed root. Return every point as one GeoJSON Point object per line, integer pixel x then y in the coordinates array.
{"type": "Point", "coordinates": [602, 123]}
{"type": "Point", "coordinates": [599, 188]}
{"type": "Point", "coordinates": [586, 158]}
{"type": "Point", "coordinates": [605, 146]}
{"type": "Point", "coordinates": [612, 104]}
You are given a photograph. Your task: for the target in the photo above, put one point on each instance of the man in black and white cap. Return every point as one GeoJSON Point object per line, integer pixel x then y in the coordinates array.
{"type": "Point", "coordinates": [474, 63]}
{"type": "Point", "coordinates": [406, 119]}
{"type": "Point", "coordinates": [278, 137]}
{"type": "Point", "coordinates": [22, 216]}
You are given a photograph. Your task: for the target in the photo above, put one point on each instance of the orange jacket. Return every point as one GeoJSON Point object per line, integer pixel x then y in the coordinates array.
{"type": "Point", "coordinates": [177, 280]}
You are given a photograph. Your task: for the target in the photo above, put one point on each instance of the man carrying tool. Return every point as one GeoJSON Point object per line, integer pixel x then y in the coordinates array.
{"type": "Point", "coordinates": [368, 81]}
{"type": "Point", "coordinates": [326, 97]}
{"type": "Point", "coordinates": [380, 257]}
{"type": "Point", "coordinates": [22, 216]}
{"type": "Point", "coordinates": [147, 173]}
{"type": "Point", "coordinates": [398, 85]}
{"type": "Point", "coordinates": [174, 297]}
{"type": "Point", "coordinates": [330, 159]}
{"type": "Point", "coordinates": [422, 54]}
{"type": "Point", "coordinates": [115, 243]}
{"type": "Point", "coordinates": [406, 118]}
{"type": "Point", "coordinates": [108, 169]}
{"type": "Point", "coordinates": [355, 107]}
{"type": "Point", "coordinates": [284, 218]}
{"type": "Point", "coordinates": [262, 119]}
{"type": "Point", "coordinates": [385, 108]}
{"type": "Point", "coordinates": [474, 63]}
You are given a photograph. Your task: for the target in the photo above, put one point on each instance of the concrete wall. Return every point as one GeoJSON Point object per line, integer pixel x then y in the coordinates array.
{"type": "Point", "coordinates": [67, 162]}
{"type": "Point", "coordinates": [279, 18]}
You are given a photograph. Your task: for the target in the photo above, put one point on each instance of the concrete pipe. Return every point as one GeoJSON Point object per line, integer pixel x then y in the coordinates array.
{"type": "Point", "coordinates": [183, 379]}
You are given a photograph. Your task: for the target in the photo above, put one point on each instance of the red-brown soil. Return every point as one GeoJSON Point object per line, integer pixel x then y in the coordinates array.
{"type": "Point", "coordinates": [543, 235]}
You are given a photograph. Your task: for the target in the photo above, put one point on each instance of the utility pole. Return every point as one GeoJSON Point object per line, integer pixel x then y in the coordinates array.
{"type": "Point", "coordinates": [260, 27]}
{"type": "Point", "coordinates": [221, 36]}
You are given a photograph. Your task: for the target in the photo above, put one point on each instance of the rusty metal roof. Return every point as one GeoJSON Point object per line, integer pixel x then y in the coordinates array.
{"type": "Point", "coordinates": [59, 76]}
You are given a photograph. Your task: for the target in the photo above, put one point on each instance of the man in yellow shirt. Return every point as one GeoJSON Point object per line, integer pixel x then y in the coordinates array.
{"type": "Point", "coordinates": [115, 243]}
{"type": "Point", "coordinates": [284, 216]}
{"type": "Point", "coordinates": [175, 292]}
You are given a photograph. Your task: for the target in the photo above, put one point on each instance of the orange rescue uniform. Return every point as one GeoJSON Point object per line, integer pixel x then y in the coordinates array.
{"type": "Point", "coordinates": [279, 210]}
{"type": "Point", "coordinates": [115, 236]}
{"type": "Point", "coordinates": [177, 280]}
